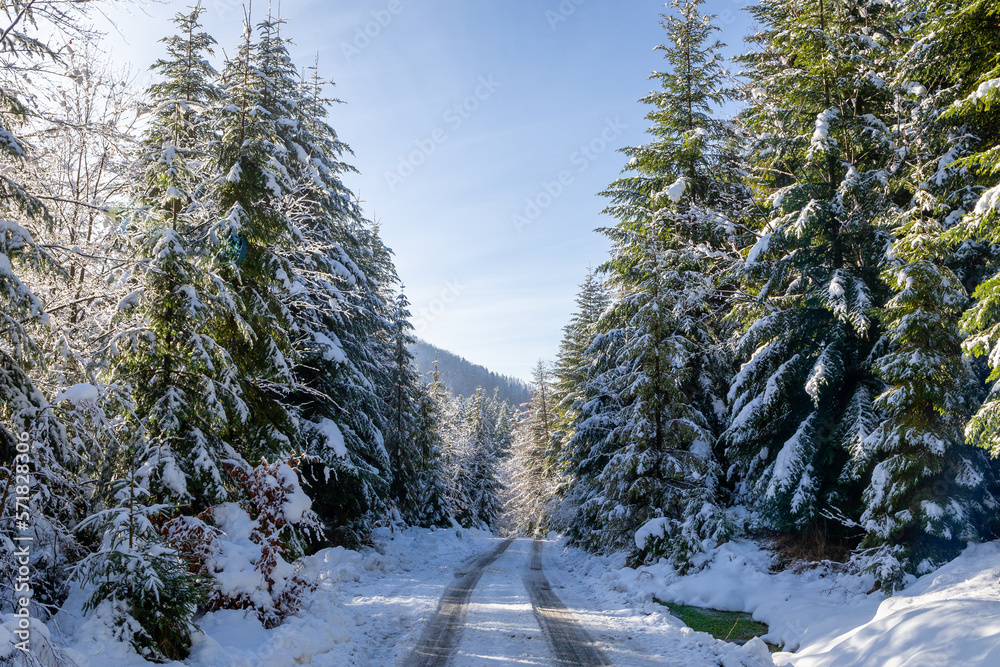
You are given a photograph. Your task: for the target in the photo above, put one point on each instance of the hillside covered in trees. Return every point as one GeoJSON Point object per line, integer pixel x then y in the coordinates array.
{"type": "Point", "coordinates": [462, 377]}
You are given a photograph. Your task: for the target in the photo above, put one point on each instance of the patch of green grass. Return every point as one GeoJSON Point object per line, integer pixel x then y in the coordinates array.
{"type": "Point", "coordinates": [732, 626]}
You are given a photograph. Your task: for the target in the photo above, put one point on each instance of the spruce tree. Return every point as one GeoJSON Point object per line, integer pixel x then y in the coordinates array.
{"type": "Point", "coordinates": [532, 469]}
{"type": "Point", "coordinates": [142, 587]}
{"type": "Point", "coordinates": [962, 44]}
{"type": "Point", "coordinates": [572, 366]}
{"type": "Point", "coordinates": [430, 503]}
{"type": "Point", "coordinates": [339, 314]}
{"type": "Point", "coordinates": [184, 380]}
{"type": "Point", "coordinates": [401, 400]}
{"type": "Point", "coordinates": [819, 147]}
{"type": "Point", "coordinates": [929, 493]}
{"type": "Point", "coordinates": [481, 465]}
{"type": "Point", "coordinates": [669, 254]}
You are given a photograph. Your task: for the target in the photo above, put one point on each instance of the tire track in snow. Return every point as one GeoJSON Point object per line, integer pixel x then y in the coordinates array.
{"type": "Point", "coordinates": [438, 642]}
{"type": "Point", "coordinates": [571, 645]}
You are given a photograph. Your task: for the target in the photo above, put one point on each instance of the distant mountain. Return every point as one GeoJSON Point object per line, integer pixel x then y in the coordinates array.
{"type": "Point", "coordinates": [461, 377]}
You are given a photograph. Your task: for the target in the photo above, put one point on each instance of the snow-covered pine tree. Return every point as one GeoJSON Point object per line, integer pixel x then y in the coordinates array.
{"type": "Point", "coordinates": [143, 589]}
{"type": "Point", "coordinates": [431, 505]}
{"type": "Point", "coordinates": [531, 467]}
{"type": "Point", "coordinates": [483, 417]}
{"type": "Point", "coordinates": [962, 38]}
{"type": "Point", "coordinates": [254, 232]}
{"type": "Point", "coordinates": [339, 320]}
{"type": "Point", "coordinates": [476, 433]}
{"type": "Point", "coordinates": [596, 429]}
{"type": "Point", "coordinates": [671, 242]}
{"type": "Point", "coordinates": [929, 493]}
{"type": "Point", "coordinates": [574, 377]}
{"type": "Point", "coordinates": [819, 148]}
{"type": "Point", "coordinates": [401, 398]}
{"type": "Point", "coordinates": [184, 381]}
{"type": "Point", "coordinates": [456, 448]}
{"type": "Point", "coordinates": [571, 368]}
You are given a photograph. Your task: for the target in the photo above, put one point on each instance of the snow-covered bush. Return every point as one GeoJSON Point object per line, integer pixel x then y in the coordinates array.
{"type": "Point", "coordinates": [249, 554]}
{"type": "Point", "coordinates": [143, 588]}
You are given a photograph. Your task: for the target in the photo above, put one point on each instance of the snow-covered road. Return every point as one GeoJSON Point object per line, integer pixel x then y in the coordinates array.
{"type": "Point", "coordinates": [514, 615]}
{"type": "Point", "coordinates": [508, 619]}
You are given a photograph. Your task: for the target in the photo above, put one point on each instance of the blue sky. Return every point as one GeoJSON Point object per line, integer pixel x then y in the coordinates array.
{"type": "Point", "coordinates": [483, 132]}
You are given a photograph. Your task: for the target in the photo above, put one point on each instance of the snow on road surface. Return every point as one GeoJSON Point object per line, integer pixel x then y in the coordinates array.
{"type": "Point", "coordinates": [371, 608]}
{"type": "Point", "coordinates": [501, 628]}
{"type": "Point", "coordinates": [442, 632]}
{"type": "Point", "coordinates": [516, 616]}
{"type": "Point", "coordinates": [571, 645]}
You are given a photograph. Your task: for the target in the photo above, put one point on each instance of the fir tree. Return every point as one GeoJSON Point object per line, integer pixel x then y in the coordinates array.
{"type": "Point", "coordinates": [960, 49]}
{"type": "Point", "coordinates": [668, 250]}
{"type": "Point", "coordinates": [254, 231]}
{"type": "Point", "coordinates": [572, 364]}
{"type": "Point", "coordinates": [339, 317]}
{"type": "Point", "coordinates": [481, 464]}
{"type": "Point", "coordinates": [819, 147]}
{"type": "Point", "coordinates": [143, 587]}
{"type": "Point", "coordinates": [531, 467]}
{"type": "Point", "coordinates": [401, 400]}
{"type": "Point", "coordinates": [929, 493]}
{"type": "Point", "coordinates": [430, 502]}
{"type": "Point", "coordinates": [183, 378]}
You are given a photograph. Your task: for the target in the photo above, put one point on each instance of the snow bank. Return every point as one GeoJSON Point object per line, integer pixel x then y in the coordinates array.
{"type": "Point", "coordinates": [654, 630]}
{"type": "Point", "coordinates": [345, 621]}
{"type": "Point", "coordinates": [948, 617]}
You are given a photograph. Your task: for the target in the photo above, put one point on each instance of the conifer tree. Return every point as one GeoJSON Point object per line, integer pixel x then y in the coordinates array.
{"type": "Point", "coordinates": [430, 502]}
{"type": "Point", "coordinates": [819, 147]}
{"type": "Point", "coordinates": [571, 367]}
{"type": "Point", "coordinates": [401, 400]}
{"type": "Point", "coordinates": [183, 378]}
{"type": "Point", "coordinates": [143, 588]}
{"type": "Point", "coordinates": [482, 417]}
{"type": "Point", "coordinates": [929, 493]}
{"type": "Point", "coordinates": [596, 433]}
{"type": "Point", "coordinates": [961, 41]}
{"type": "Point", "coordinates": [253, 231]}
{"type": "Point", "coordinates": [531, 467]}
{"type": "Point", "coordinates": [665, 265]}
{"type": "Point", "coordinates": [338, 310]}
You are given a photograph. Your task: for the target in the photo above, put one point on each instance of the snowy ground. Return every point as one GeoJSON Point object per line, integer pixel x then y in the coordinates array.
{"type": "Point", "coordinates": [371, 608]}
{"type": "Point", "coordinates": [948, 617]}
